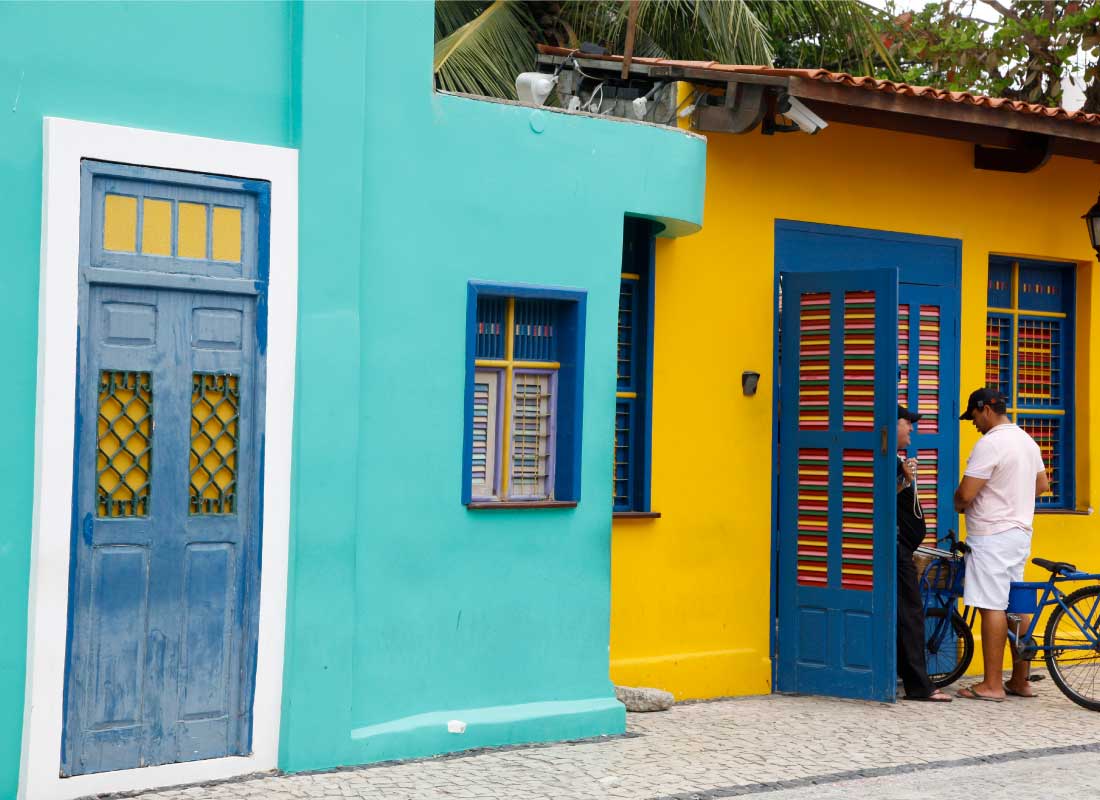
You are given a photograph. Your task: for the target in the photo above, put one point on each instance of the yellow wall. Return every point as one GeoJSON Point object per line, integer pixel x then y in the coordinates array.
{"type": "Point", "coordinates": [690, 591]}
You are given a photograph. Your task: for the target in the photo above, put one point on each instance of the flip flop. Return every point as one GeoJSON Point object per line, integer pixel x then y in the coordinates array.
{"type": "Point", "coordinates": [968, 693]}
{"type": "Point", "coordinates": [935, 697]}
{"type": "Point", "coordinates": [1010, 691]}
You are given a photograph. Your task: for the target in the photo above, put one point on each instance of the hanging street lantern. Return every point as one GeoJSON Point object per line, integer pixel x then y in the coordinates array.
{"type": "Point", "coordinates": [1092, 219]}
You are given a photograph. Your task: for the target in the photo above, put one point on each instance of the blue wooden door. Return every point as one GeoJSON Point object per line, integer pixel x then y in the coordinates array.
{"type": "Point", "coordinates": [165, 568]}
{"type": "Point", "coordinates": [837, 443]}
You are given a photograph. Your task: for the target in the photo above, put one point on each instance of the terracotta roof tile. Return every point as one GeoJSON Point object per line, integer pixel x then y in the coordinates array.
{"type": "Point", "coordinates": [862, 82]}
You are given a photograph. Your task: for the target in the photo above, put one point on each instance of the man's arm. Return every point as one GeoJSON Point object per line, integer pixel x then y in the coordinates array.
{"type": "Point", "coordinates": [967, 491]}
{"type": "Point", "coordinates": [1042, 484]}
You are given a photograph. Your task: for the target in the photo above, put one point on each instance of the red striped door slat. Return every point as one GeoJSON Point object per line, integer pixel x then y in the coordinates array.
{"type": "Point", "coordinates": [857, 519]}
{"type": "Point", "coordinates": [903, 354]}
{"type": "Point", "coordinates": [859, 361]}
{"type": "Point", "coordinates": [813, 517]}
{"type": "Point", "coordinates": [813, 362]}
{"type": "Point", "coordinates": [928, 473]}
{"type": "Point", "coordinates": [928, 369]}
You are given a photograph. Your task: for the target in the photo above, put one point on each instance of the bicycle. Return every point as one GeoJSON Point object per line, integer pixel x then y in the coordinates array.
{"type": "Point", "coordinates": [1071, 639]}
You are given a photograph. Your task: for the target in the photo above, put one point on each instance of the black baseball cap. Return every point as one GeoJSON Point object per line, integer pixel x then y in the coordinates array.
{"type": "Point", "coordinates": [980, 398]}
{"type": "Point", "coordinates": [905, 413]}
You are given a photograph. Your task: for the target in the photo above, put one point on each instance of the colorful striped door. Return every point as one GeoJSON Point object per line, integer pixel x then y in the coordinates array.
{"type": "Point", "coordinates": [838, 434]}
{"type": "Point", "coordinates": [927, 349]}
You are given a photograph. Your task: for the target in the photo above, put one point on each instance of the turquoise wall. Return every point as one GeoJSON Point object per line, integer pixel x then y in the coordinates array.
{"type": "Point", "coordinates": [405, 609]}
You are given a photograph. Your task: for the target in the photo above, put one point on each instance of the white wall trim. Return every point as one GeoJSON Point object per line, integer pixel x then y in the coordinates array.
{"type": "Point", "coordinates": [66, 142]}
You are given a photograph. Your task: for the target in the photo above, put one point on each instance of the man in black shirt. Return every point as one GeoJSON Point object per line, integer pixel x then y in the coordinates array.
{"type": "Point", "coordinates": [911, 530]}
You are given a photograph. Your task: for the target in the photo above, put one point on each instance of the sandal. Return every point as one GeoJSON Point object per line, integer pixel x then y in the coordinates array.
{"type": "Point", "coordinates": [1010, 691]}
{"type": "Point", "coordinates": [936, 697]}
{"type": "Point", "coordinates": [968, 693]}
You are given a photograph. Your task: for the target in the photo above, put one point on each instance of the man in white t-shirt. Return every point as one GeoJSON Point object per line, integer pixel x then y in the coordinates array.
{"type": "Point", "coordinates": [1003, 476]}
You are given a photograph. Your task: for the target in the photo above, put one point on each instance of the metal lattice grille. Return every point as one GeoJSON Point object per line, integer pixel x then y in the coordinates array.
{"type": "Point", "coordinates": [903, 355]}
{"type": "Point", "coordinates": [1047, 433]}
{"type": "Point", "coordinates": [534, 330]}
{"type": "Point", "coordinates": [813, 517]}
{"type": "Point", "coordinates": [998, 352]}
{"type": "Point", "coordinates": [623, 464]}
{"type": "Point", "coordinates": [625, 371]}
{"type": "Point", "coordinates": [1039, 362]}
{"type": "Point", "coordinates": [857, 523]}
{"type": "Point", "coordinates": [124, 444]}
{"type": "Point", "coordinates": [215, 423]}
{"type": "Point", "coordinates": [859, 361]}
{"type": "Point", "coordinates": [532, 411]}
{"type": "Point", "coordinates": [491, 312]}
{"type": "Point", "coordinates": [813, 362]}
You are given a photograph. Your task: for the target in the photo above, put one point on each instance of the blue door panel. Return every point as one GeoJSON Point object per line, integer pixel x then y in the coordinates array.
{"type": "Point", "coordinates": [165, 561]}
{"type": "Point", "coordinates": [207, 607]}
{"type": "Point", "coordinates": [120, 614]}
{"type": "Point", "coordinates": [836, 515]}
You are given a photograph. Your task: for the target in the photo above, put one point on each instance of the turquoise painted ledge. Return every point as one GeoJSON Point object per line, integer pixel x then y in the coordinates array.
{"type": "Point", "coordinates": [426, 734]}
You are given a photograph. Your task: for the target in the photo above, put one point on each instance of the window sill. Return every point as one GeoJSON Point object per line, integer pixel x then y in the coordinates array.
{"type": "Point", "coordinates": [636, 515]}
{"type": "Point", "coordinates": [1072, 512]}
{"type": "Point", "coordinates": [494, 505]}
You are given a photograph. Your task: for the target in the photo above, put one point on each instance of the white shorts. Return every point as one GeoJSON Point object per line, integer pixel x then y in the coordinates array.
{"type": "Point", "coordinates": [993, 563]}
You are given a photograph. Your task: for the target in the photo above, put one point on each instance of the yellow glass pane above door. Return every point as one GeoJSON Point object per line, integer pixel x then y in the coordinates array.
{"type": "Point", "coordinates": [192, 231]}
{"type": "Point", "coordinates": [156, 227]}
{"type": "Point", "coordinates": [119, 223]}
{"type": "Point", "coordinates": [227, 234]}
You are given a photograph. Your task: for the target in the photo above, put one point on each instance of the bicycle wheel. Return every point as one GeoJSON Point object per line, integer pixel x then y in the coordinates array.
{"type": "Point", "coordinates": [948, 645]}
{"type": "Point", "coordinates": [1074, 664]}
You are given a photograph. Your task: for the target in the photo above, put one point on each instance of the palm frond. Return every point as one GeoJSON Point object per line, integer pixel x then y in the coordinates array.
{"type": "Point", "coordinates": [483, 46]}
{"type": "Point", "coordinates": [835, 34]}
{"type": "Point", "coordinates": [719, 30]}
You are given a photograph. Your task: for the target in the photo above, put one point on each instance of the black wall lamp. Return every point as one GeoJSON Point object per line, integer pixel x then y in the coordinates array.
{"type": "Point", "coordinates": [1092, 219]}
{"type": "Point", "coordinates": [749, 379]}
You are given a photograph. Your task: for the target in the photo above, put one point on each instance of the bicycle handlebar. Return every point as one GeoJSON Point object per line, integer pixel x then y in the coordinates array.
{"type": "Point", "coordinates": [956, 546]}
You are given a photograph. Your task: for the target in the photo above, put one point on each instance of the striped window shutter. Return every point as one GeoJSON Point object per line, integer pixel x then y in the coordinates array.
{"type": "Point", "coordinates": [1029, 358]}
{"type": "Point", "coordinates": [485, 433]}
{"type": "Point", "coordinates": [533, 408]}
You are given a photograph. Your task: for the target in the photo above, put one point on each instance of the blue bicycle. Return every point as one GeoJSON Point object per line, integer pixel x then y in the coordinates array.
{"type": "Point", "coordinates": [1071, 640]}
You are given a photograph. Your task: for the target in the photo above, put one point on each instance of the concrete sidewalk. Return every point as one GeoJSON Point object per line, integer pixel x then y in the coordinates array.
{"type": "Point", "coordinates": [787, 747]}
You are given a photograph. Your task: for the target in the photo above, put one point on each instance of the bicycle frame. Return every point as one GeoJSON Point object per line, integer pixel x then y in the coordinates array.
{"type": "Point", "coordinates": [1052, 595]}
{"type": "Point", "coordinates": [941, 586]}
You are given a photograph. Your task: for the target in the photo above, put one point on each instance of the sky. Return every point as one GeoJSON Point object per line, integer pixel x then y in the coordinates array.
{"type": "Point", "coordinates": [1073, 94]}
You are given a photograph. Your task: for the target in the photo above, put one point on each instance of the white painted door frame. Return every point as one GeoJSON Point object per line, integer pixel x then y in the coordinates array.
{"type": "Point", "coordinates": [66, 142]}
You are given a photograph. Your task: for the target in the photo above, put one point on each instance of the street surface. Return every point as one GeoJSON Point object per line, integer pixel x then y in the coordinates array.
{"type": "Point", "coordinates": [778, 747]}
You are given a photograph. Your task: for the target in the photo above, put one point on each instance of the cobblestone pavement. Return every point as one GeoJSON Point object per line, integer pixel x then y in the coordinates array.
{"type": "Point", "coordinates": [788, 748]}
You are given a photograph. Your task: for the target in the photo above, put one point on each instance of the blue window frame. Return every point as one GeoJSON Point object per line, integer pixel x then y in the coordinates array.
{"type": "Point", "coordinates": [633, 406]}
{"type": "Point", "coordinates": [524, 389]}
{"type": "Point", "coordinates": [1029, 359]}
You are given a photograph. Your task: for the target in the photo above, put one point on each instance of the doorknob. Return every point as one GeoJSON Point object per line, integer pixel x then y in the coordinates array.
{"type": "Point", "coordinates": [884, 438]}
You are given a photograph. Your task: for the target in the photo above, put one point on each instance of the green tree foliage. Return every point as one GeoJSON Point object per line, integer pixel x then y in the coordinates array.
{"type": "Point", "coordinates": [481, 45]}
{"type": "Point", "coordinates": [1022, 54]}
